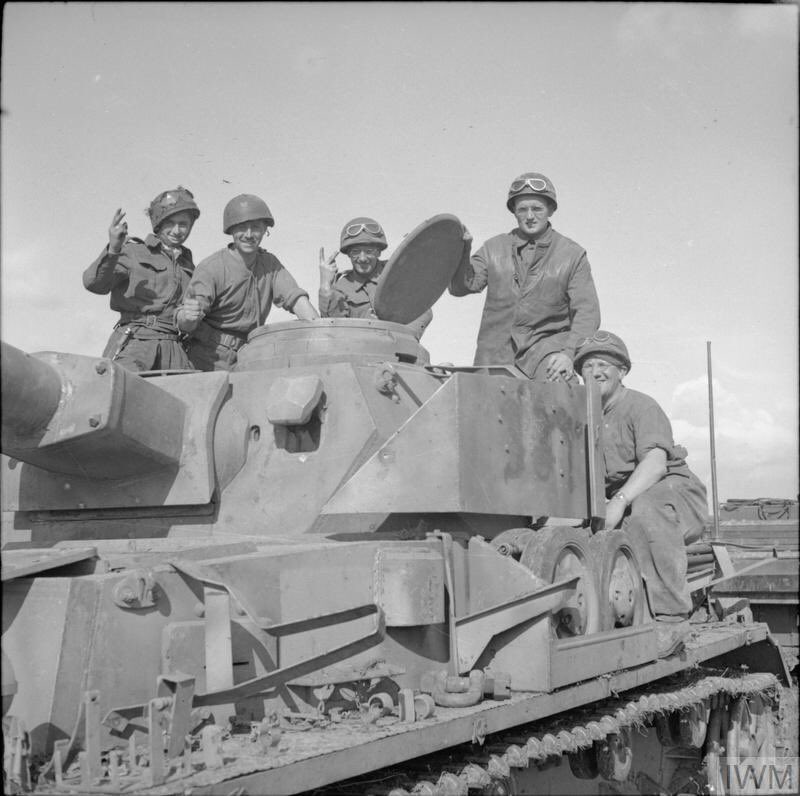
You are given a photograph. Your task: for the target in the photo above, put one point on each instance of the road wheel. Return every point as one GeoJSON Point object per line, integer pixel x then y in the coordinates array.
{"type": "Point", "coordinates": [555, 553]}
{"type": "Point", "coordinates": [668, 729]}
{"type": "Point", "coordinates": [615, 756]}
{"type": "Point", "coordinates": [693, 724]}
{"type": "Point", "coordinates": [622, 599]}
{"type": "Point", "coordinates": [751, 729]}
{"type": "Point", "coordinates": [583, 763]}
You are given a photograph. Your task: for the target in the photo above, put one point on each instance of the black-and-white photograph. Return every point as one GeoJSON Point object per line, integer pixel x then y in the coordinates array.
{"type": "Point", "coordinates": [399, 398]}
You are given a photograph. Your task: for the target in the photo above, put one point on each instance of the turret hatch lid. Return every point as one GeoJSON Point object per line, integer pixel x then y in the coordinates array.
{"type": "Point", "coordinates": [420, 269]}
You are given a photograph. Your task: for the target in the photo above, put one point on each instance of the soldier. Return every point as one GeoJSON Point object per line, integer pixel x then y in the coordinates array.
{"type": "Point", "coordinates": [541, 300]}
{"type": "Point", "coordinates": [146, 279]}
{"type": "Point", "coordinates": [232, 291]}
{"type": "Point", "coordinates": [650, 490]}
{"type": "Point", "coordinates": [350, 294]}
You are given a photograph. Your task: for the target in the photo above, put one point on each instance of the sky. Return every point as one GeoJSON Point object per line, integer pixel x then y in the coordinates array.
{"type": "Point", "coordinates": [669, 131]}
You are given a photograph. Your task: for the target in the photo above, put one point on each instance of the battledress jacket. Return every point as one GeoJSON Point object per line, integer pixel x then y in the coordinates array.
{"type": "Point", "coordinates": [146, 282]}
{"type": "Point", "coordinates": [351, 297]}
{"type": "Point", "coordinates": [531, 311]}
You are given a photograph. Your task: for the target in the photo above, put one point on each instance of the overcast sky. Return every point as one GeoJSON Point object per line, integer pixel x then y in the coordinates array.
{"type": "Point", "coordinates": [669, 130]}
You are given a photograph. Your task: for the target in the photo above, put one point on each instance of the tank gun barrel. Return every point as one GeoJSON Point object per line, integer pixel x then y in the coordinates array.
{"type": "Point", "coordinates": [31, 391]}
{"type": "Point", "coordinates": [87, 416]}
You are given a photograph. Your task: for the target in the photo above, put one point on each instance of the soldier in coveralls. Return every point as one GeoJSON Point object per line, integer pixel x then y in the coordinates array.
{"type": "Point", "coordinates": [651, 491]}
{"type": "Point", "coordinates": [146, 279]}
{"type": "Point", "coordinates": [541, 300]}
{"type": "Point", "coordinates": [351, 294]}
{"type": "Point", "coordinates": [232, 291]}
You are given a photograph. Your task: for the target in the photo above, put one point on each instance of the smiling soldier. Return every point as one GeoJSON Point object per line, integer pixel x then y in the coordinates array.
{"type": "Point", "coordinates": [351, 294]}
{"type": "Point", "coordinates": [541, 299]}
{"type": "Point", "coordinates": [651, 491]}
{"type": "Point", "coordinates": [147, 279]}
{"type": "Point", "coordinates": [233, 290]}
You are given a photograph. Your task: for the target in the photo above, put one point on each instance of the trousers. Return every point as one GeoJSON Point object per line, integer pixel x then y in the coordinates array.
{"type": "Point", "coordinates": [661, 522]}
{"type": "Point", "coordinates": [137, 349]}
{"type": "Point", "coordinates": [212, 349]}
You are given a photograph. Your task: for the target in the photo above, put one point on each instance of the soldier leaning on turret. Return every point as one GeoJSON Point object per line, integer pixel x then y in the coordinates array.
{"type": "Point", "coordinates": [146, 280]}
{"type": "Point", "coordinates": [540, 296]}
{"type": "Point", "coordinates": [652, 494]}
{"type": "Point", "coordinates": [232, 291]}
{"type": "Point", "coordinates": [351, 294]}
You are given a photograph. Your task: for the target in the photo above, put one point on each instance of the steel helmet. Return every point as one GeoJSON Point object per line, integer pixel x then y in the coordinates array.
{"type": "Point", "coordinates": [602, 343]}
{"type": "Point", "coordinates": [168, 203]}
{"type": "Point", "coordinates": [531, 184]}
{"type": "Point", "coordinates": [362, 230]}
{"type": "Point", "coordinates": [245, 207]}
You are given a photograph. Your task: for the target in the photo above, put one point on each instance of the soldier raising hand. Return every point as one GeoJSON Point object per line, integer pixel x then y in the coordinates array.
{"type": "Point", "coordinates": [147, 279]}
{"type": "Point", "coordinates": [351, 294]}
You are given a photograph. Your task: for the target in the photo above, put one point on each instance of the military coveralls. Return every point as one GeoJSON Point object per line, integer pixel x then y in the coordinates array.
{"type": "Point", "coordinates": [236, 299]}
{"type": "Point", "coordinates": [351, 297]}
{"type": "Point", "coordinates": [146, 281]}
{"type": "Point", "coordinates": [668, 515]}
{"type": "Point", "coordinates": [540, 299]}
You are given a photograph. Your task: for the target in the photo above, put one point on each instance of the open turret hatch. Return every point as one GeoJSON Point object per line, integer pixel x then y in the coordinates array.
{"type": "Point", "coordinates": [420, 269]}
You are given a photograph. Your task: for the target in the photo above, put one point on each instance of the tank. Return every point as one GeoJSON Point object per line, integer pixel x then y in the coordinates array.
{"type": "Point", "coordinates": [335, 528]}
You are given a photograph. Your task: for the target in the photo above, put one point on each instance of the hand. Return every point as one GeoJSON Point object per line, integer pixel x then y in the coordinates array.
{"type": "Point", "coordinates": [304, 309]}
{"type": "Point", "coordinates": [559, 366]}
{"type": "Point", "coordinates": [466, 236]}
{"type": "Point", "coordinates": [192, 310]}
{"type": "Point", "coordinates": [615, 509]}
{"type": "Point", "coordinates": [327, 269]}
{"type": "Point", "coordinates": [117, 232]}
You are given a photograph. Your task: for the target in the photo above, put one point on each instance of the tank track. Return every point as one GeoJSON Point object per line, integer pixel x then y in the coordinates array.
{"type": "Point", "coordinates": [487, 765]}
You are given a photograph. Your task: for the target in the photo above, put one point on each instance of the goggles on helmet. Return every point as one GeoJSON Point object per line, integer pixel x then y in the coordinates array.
{"type": "Point", "coordinates": [352, 230]}
{"type": "Point", "coordinates": [597, 337]}
{"type": "Point", "coordinates": [536, 184]}
{"type": "Point", "coordinates": [605, 345]}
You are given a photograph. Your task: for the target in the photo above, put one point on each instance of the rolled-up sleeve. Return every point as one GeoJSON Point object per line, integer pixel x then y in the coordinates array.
{"type": "Point", "coordinates": [584, 307]}
{"type": "Point", "coordinates": [105, 272]}
{"type": "Point", "coordinates": [472, 274]}
{"type": "Point", "coordinates": [652, 429]}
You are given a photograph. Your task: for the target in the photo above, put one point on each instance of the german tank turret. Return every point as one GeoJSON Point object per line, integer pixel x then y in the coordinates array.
{"type": "Point", "coordinates": [336, 528]}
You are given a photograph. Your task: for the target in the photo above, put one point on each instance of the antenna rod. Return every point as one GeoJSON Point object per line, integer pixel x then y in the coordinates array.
{"type": "Point", "coordinates": [711, 436]}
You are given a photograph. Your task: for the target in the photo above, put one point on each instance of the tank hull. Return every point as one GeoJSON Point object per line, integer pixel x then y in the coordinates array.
{"type": "Point", "coordinates": [333, 534]}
